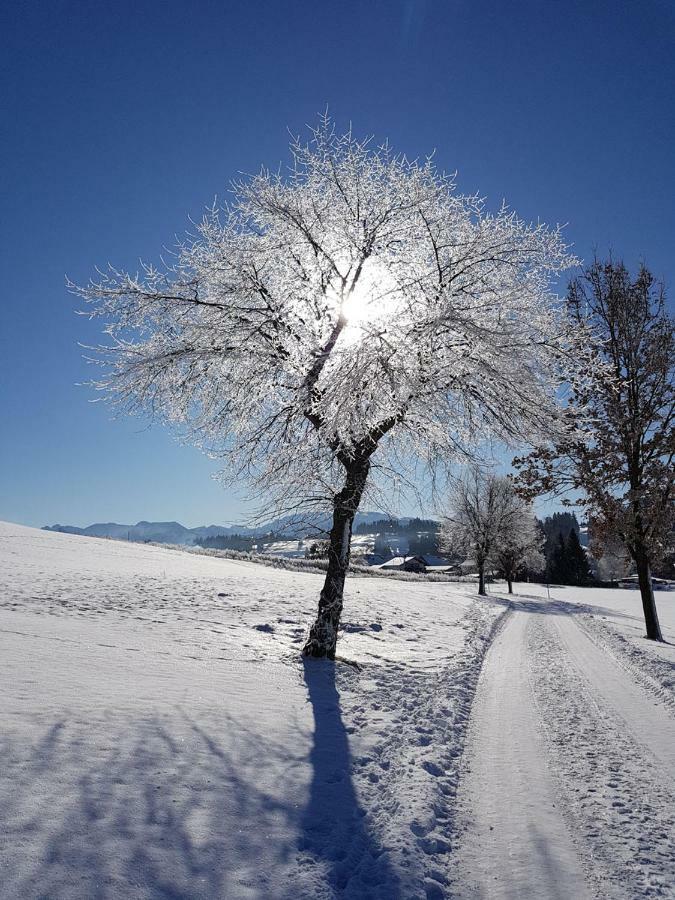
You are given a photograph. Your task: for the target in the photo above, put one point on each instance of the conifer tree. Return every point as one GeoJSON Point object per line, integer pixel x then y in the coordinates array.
{"type": "Point", "coordinates": [576, 562]}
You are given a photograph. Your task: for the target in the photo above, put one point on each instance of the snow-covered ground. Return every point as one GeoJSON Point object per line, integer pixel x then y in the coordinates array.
{"type": "Point", "coordinates": [361, 543]}
{"type": "Point", "coordinates": [568, 776]}
{"type": "Point", "coordinates": [162, 739]}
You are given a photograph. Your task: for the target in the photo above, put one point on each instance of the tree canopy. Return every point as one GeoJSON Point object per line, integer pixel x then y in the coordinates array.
{"type": "Point", "coordinates": [325, 306]}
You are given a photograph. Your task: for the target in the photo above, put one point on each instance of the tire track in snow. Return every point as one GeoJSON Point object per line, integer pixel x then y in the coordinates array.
{"type": "Point", "coordinates": [514, 842]}
{"type": "Point", "coordinates": [408, 778]}
{"type": "Point", "coordinates": [650, 667]}
{"type": "Point", "coordinates": [610, 751]}
{"type": "Point", "coordinates": [649, 721]}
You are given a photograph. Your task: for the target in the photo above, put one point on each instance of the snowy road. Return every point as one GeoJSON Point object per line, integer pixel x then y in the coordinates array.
{"type": "Point", "coordinates": [567, 788]}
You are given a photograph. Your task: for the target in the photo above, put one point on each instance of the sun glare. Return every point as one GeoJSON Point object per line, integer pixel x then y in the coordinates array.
{"type": "Point", "coordinates": [373, 299]}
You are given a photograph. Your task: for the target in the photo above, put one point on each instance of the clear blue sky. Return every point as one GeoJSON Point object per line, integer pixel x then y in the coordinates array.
{"type": "Point", "coordinates": [122, 119]}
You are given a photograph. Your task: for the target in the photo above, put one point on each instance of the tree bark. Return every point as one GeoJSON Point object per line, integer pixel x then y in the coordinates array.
{"type": "Point", "coordinates": [481, 580]}
{"type": "Point", "coordinates": [322, 639]}
{"type": "Point", "coordinates": [509, 581]}
{"type": "Point", "coordinates": [647, 592]}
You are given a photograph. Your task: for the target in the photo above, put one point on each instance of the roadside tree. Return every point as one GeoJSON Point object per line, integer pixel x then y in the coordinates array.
{"type": "Point", "coordinates": [483, 508]}
{"type": "Point", "coordinates": [519, 542]}
{"type": "Point", "coordinates": [619, 447]}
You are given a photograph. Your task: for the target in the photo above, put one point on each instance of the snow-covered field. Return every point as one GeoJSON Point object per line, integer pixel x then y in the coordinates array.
{"type": "Point", "coordinates": [161, 737]}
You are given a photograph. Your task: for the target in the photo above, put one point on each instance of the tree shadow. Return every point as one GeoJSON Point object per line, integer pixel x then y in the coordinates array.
{"type": "Point", "coordinates": [334, 827]}
{"type": "Point", "coordinates": [553, 878]}
{"type": "Point", "coordinates": [177, 806]}
{"type": "Point", "coordinates": [167, 812]}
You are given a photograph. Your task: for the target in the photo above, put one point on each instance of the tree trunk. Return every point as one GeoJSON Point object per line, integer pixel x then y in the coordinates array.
{"type": "Point", "coordinates": [481, 580]}
{"type": "Point", "coordinates": [647, 592]}
{"type": "Point", "coordinates": [323, 635]}
{"type": "Point", "coordinates": [509, 581]}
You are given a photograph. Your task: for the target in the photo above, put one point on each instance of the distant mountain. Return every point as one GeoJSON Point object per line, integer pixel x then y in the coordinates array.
{"type": "Point", "coordinates": [175, 533]}
{"type": "Point", "coordinates": [167, 532]}
{"type": "Point", "coordinates": [301, 525]}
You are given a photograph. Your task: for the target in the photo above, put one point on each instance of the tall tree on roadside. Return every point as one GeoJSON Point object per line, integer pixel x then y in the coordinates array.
{"type": "Point", "coordinates": [336, 323]}
{"type": "Point", "coordinates": [620, 445]}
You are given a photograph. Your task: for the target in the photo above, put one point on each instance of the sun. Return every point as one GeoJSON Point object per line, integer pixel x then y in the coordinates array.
{"type": "Point", "coordinates": [372, 300]}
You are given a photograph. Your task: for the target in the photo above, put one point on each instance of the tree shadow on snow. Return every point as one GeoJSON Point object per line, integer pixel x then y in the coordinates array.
{"type": "Point", "coordinates": [180, 806]}
{"type": "Point", "coordinates": [153, 807]}
{"type": "Point", "coordinates": [334, 827]}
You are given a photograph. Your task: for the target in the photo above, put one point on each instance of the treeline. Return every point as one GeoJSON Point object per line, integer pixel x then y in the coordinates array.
{"type": "Point", "coordinates": [565, 559]}
{"type": "Point", "coordinates": [243, 542]}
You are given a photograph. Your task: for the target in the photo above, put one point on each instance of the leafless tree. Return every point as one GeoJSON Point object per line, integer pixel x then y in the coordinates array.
{"type": "Point", "coordinates": [519, 540]}
{"type": "Point", "coordinates": [612, 559]}
{"type": "Point", "coordinates": [483, 511]}
{"type": "Point", "coordinates": [620, 446]}
{"type": "Point", "coordinates": [336, 322]}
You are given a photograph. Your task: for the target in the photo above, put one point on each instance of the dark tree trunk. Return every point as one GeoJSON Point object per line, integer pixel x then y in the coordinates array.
{"type": "Point", "coordinates": [647, 592]}
{"type": "Point", "coordinates": [323, 635]}
{"type": "Point", "coordinates": [481, 580]}
{"type": "Point", "coordinates": [509, 581]}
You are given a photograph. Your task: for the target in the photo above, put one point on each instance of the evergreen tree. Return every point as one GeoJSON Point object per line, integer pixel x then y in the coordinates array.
{"type": "Point", "coordinates": [576, 561]}
{"type": "Point", "coordinates": [559, 570]}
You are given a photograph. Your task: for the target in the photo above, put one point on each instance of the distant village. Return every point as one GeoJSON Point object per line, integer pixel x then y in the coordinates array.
{"type": "Point", "coordinates": [413, 545]}
{"type": "Point", "coordinates": [405, 544]}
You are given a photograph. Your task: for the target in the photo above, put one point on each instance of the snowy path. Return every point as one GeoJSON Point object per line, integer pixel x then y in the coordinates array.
{"type": "Point", "coordinates": [568, 783]}
{"type": "Point", "coordinates": [516, 844]}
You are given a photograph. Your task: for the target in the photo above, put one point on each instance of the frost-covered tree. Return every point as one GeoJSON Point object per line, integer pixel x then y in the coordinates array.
{"type": "Point", "coordinates": [336, 322]}
{"type": "Point", "coordinates": [519, 541]}
{"type": "Point", "coordinates": [620, 447]}
{"type": "Point", "coordinates": [612, 559]}
{"type": "Point", "coordinates": [483, 509]}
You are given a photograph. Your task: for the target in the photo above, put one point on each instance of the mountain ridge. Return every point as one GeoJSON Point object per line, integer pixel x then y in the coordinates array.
{"type": "Point", "coordinates": [173, 532]}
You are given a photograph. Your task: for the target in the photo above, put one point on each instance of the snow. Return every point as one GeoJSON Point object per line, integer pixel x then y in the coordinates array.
{"type": "Point", "coordinates": [567, 787]}
{"type": "Point", "coordinates": [161, 737]}
{"type": "Point", "coordinates": [508, 794]}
